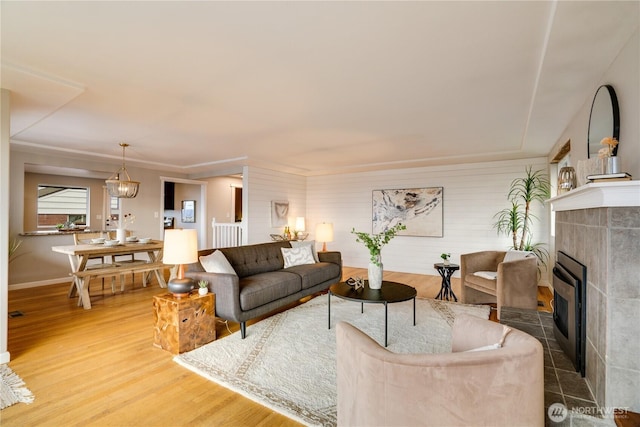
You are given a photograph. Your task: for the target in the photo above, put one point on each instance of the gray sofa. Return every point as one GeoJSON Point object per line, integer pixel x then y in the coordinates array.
{"type": "Point", "coordinates": [261, 283]}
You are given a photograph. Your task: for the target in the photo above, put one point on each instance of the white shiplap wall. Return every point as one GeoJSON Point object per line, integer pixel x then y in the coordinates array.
{"type": "Point", "coordinates": [473, 194]}
{"type": "Point", "coordinates": [261, 187]}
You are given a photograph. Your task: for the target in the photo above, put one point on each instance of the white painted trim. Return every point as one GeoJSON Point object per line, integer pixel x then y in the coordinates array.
{"type": "Point", "coordinates": [599, 195]}
{"type": "Point", "coordinates": [5, 357]}
{"type": "Point", "coordinates": [39, 283]}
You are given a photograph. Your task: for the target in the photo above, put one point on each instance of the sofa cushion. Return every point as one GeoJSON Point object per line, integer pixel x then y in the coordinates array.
{"type": "Point", "coordinates": [254, 259]}
{"type": "Point", "coordinates": [216, 263]}
{"type": "Point", "coordinates": [297, 256]}
{"type": "Point", "coordinates": [263, 288]}
{"type": "Point", "coordinates": [314, 274]}
{"type": "Point", "coordinates": [310, 243]}
{"type": "Point", "coordinates": [491, 275]}
{"type": "Point", "coordinates": [485, 285]}
{"type": "Point", "coordinates": [516, 255]}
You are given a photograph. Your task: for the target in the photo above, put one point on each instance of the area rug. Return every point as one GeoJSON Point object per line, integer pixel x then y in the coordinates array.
{"type": "Point", "coordinates": [12, 389]}
{"type": "Point", "coordinates": [287, 361]}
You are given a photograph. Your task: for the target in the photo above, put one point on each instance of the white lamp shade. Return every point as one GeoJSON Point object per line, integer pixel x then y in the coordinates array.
{"type": "Point", "coordinates": [180, 247]}
{"type": "Point", "coordinates": [300, 223]}
{"type": "Point", "coordinates": [324, 232]}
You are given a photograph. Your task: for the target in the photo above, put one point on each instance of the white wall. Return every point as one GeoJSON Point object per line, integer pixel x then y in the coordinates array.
{"type": "Point", "coordinates": [623, 76]}
{"type": "Point", "coordinates": [473, 194]}
{"type": "Point", "coordinates": [260, 188]}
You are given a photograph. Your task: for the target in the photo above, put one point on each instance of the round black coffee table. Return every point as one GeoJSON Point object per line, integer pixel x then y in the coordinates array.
{"type": "Point", "coordinates": [389, 293]}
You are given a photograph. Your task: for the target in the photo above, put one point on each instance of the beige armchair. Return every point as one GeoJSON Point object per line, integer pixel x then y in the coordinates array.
{"type": "Point", "coordinates": [499, 387]}
{"type": "Point", "coordinates": [515, 283]}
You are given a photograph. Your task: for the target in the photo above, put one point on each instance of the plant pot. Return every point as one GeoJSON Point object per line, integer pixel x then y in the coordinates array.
{"type": "Point", "coordinates": [612, 165]}
{"type": "Point", "coordinates": [203, 291]}
{"type": "Point", "coordinates": [446, 262]}
{"type": "Point", "coordinates": [375, 276]}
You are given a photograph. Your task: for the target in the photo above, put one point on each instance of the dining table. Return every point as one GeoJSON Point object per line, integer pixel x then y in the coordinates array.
{"type": "Point", "coordinates": [83, 272]}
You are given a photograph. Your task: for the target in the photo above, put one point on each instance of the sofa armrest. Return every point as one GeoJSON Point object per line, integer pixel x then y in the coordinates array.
{"type": "Point", "coordinates": [227, 290]}
{"type": "Point", "coordinates": [517, 284]}
{"type": "Point", "coordinates": [334, 257]}
{"type": "Point", "coordinates": [480, 261]}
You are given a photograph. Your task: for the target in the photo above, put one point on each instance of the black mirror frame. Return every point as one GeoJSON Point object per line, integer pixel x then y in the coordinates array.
{"type": "Point", "coordinates": [615, 110]}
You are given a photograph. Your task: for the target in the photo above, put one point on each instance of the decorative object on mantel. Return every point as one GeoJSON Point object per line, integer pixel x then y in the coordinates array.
{"type": "Point", "coordinates": [566, 179]}
{"type": "Point", "coordinates": [180, 248]}
{"type": "Point", "coordinates": [610, 177]}
{"type": "Point", "coordinates": [121, 188]}
{"type": "Point", "coordinates": [445, 258]}
{"type": "Point", "coordinates": [611, 164]}
{"type": "Point", "coordinates": [375, 243]}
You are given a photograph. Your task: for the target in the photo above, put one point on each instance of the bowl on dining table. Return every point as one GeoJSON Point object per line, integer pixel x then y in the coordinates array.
{"type": "Point", "coordinates": [98, 240]}
{"type": "Point", "coordinates": [144, 240]}
{"type": "Point", "coordinates": [111, 242]}
{"type": "Point", "coordinates": [132, 239]}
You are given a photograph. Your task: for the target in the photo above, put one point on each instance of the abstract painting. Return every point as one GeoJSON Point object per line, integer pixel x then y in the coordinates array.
{"type": "Point", "coordinates": [420, 209]}
{"type": "Point", "coordinates": [279, 213]}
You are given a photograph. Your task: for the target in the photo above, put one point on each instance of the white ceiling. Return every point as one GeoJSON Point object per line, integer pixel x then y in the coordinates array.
{"type": "Point", "coordinates": [304, 87]}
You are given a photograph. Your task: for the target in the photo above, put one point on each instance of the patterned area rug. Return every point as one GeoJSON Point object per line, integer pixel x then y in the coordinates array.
{"type": "Point", "coordinates": [287, 361]}
{"type": "Point", "coordinates": [12, 388]}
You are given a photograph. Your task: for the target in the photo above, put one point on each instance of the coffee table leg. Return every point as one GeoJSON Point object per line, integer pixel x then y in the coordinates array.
{"type": "Point", "coordinates": [385, 324]}
{"type": "Point", "coordinates": [414, 311]}
{"type": "Point", "coordinates": [329, 309]}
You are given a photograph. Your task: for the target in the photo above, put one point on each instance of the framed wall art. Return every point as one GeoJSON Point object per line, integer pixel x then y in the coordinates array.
{"type": "Point", "coordinates": [188, 211]}
{"type": "Point", "coordinates": [420, 209]}
{"type": "Point", "coordinates": [279, 213]}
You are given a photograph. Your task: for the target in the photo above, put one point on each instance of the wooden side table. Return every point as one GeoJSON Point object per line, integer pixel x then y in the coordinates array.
{"type": "Point", "coordinates": [446, 271]}
{"type": "Point", "coordinates": [183, 324]}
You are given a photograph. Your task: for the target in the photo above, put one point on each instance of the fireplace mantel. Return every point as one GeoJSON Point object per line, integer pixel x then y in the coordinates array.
{"type": "Point", "coordinates": [598, 195]}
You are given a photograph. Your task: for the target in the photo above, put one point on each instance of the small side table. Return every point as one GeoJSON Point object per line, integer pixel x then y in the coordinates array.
{"type": "Point", "coordinates": [183, 324]}
{"type": "Point", "coordinates": [446, 271]}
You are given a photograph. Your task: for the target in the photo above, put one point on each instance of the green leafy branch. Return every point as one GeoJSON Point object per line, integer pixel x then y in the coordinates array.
{"type": "Point", "coordinates": [375, 242]}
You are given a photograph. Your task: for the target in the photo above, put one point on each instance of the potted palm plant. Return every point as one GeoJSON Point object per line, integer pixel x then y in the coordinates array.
{"type": "Point", "coordinates": [375, 242]}
{"type": "Point", "coordinates": [516, 220]}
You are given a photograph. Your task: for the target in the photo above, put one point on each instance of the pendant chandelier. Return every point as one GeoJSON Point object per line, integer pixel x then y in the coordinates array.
{"type": "Point", "coordinates": [117, 186]}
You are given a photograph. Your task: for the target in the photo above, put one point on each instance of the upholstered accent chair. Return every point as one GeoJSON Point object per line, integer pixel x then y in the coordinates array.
{"type": "Point", "coordinates": [509, 279]}
{"type": "Point", "coordinates": [498, 387]}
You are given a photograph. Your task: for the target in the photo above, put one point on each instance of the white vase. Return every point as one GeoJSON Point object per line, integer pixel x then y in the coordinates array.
{"type": "Point", "coordinates": [446, 262]}
{"type": "Point", "coordinates": [121, 235]}
{"type": "Point", "coordinates": [375, 276]}
{"type": "Point", "coordinates": [203, 291]}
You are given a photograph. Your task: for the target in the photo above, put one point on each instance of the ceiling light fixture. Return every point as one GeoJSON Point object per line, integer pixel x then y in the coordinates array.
{"type": "Point", "coordinates": [119, 187]}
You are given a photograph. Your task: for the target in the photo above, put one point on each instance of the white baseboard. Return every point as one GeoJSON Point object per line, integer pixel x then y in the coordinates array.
{"type": "Point", "coordinates": [5, 357]}
{"type": "Point", "coordinates": [39, 283]}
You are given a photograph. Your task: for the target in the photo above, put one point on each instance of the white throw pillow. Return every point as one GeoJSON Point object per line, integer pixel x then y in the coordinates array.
{"type": "Point", "coordinates": [499, 344]}
{"type": "Point", "coordinates": [310, 243]}
{"type": "Point", "coordinates": [491, 275]}
{"type": "Point", "coordinates": [297, 256]}
{"type": "Point", "coordinates": [216, 263]}
{"type": "Point", "coordinates": [516, 255]}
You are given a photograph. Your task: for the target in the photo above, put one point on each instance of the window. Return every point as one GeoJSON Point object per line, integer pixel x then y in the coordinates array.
{"type": "Point", "coordinates": [62, 205]}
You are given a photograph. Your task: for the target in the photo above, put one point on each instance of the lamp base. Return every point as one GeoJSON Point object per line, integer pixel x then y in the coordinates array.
{"type": "Point", "coordinates": [180, 287]}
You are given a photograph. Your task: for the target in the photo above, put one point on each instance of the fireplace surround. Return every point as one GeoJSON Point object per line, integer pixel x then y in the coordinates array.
{"type": "Point", "coordinates": [569, 314]}
{"type": "Point", "coordinates": [599, 224]}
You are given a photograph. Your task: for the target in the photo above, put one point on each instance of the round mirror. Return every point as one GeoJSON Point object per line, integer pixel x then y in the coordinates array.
{"type": "Point", "coordinates": [604, 120]}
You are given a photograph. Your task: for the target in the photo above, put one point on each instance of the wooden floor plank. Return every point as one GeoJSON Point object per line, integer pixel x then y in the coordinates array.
{"type": "Point", "coordinates": [98, 367]}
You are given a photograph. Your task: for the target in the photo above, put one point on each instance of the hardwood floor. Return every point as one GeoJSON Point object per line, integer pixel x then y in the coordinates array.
{"type": "Point", "coordinates": [98, 367]}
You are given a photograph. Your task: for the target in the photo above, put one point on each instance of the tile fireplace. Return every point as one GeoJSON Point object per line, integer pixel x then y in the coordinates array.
{"type": "Point", "coordinates": [599, 225]}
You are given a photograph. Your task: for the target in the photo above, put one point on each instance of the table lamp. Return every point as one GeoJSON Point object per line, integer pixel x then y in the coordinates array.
{"type": "Point", "coordinates": [180, 248]}
{"type": "Point", "coordinates": [324, 234]}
